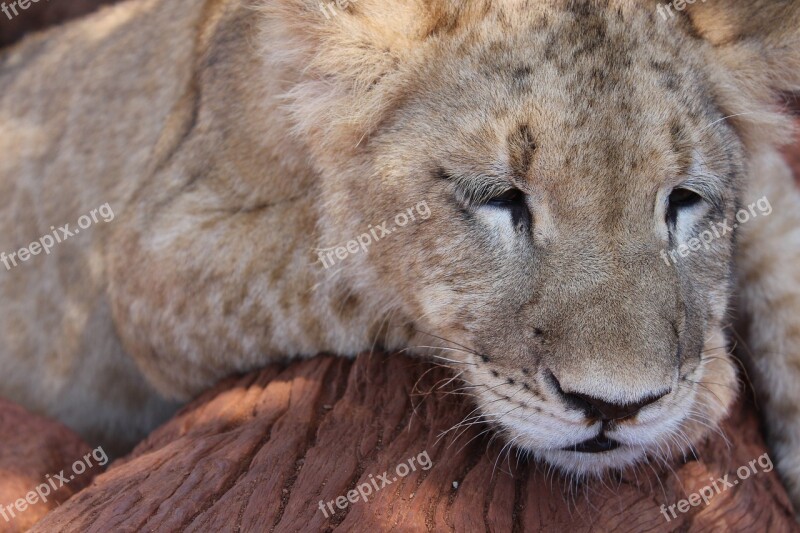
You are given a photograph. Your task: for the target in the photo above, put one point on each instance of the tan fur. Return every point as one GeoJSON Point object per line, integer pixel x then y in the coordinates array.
{"type": "Point", "coordinates": [235, 140]}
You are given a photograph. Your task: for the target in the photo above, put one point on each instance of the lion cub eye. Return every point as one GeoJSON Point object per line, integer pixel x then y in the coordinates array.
{"type": "Point", "coordinates": [514, 201]}
{"type": "Point", "coordinates": [508, 199]}
{"type": "Point", "coordinates": [681, 199]}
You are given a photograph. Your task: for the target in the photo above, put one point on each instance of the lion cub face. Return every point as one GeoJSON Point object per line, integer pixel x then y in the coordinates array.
{"type": "Point", "coordinates": [563, 157]}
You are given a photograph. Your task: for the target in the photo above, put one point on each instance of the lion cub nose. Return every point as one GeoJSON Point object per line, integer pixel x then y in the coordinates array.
{"type": "Point", "coordinates": [598, 408]}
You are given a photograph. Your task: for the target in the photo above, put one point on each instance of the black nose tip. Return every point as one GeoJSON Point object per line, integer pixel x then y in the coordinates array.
{"type": "Point", "coordinates": [602, 409]}
{"type": "Point", "coordinates": [596, 407]}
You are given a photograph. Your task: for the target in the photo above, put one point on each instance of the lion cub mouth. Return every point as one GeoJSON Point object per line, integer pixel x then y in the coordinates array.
{"type": "Point", "coordinates": [598, 444]}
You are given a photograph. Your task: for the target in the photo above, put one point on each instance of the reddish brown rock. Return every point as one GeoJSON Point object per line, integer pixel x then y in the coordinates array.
{"type": "Point", "coordinates": [260, 452]}
{"type": "Point", "coordinates": [31, 449]}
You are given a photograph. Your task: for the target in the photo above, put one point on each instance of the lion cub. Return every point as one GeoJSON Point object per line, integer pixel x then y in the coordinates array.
{"type": "Point", "coordinates": [606, 209]}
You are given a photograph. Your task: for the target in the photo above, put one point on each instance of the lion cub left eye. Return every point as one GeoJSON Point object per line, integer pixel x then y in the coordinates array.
{"type": "Point", "coordinates": [515, 202]}
{"type": "Point", "coordinates": [681, 199]}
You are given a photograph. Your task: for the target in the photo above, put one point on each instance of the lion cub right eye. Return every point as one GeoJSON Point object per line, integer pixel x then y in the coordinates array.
{"type": "Point", "coordinates": [515, 202]}
{"type": "Point", "coordinates": [508, 199]}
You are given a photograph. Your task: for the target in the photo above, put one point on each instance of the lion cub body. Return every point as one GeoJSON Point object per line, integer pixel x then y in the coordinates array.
{"type": "Point", "coordinates": [66, 155]}
{"type": "Point", "coordinates": [235, 140]}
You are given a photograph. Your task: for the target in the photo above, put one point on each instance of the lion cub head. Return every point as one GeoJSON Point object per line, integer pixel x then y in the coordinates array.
{"type": "Point", "coordinates": [565, 151]}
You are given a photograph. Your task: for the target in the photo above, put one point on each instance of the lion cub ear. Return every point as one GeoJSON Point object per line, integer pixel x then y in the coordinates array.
{"type": "Point", "coordinates": [343, 60]}
{"type": "Point", "coordinates": [757, 42]}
